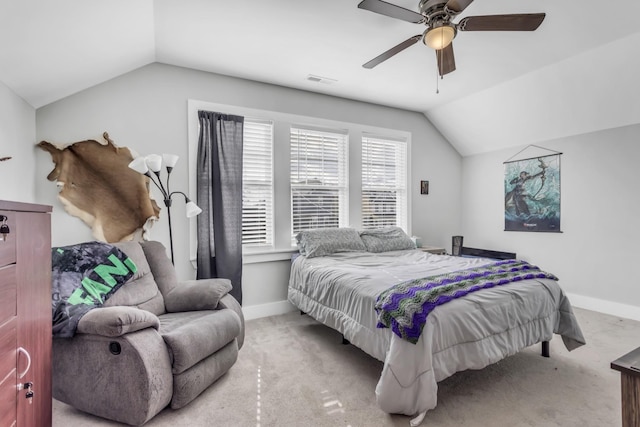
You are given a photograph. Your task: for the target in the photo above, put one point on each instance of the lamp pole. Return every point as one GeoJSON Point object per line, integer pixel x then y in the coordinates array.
{"type": "Point", "coordinates": [167, 203]}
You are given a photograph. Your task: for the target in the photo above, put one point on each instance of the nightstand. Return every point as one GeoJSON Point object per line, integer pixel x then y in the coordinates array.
{"type": "Point", "coordinates": [433, 250]}
{"type": "Point", "coordinates": [629, 367]}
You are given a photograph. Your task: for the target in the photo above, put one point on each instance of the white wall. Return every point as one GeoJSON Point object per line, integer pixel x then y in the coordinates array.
{"type": "Point", "coordinates": [595, 255]}
{"type": "Point", "coordinates": [17, 140]}
{"type": "Point", "coordinates": [147, 110]}
{"type": "Point", "coordinates": [570, 97]}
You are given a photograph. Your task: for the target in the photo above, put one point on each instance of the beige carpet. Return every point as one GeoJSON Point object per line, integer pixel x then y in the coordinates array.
{"type": "Point", "coordinates": [293, 371]}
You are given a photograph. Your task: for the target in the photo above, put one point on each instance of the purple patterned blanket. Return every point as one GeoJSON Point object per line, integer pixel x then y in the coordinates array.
{"type": "Point", "coordinates": [404, 307]}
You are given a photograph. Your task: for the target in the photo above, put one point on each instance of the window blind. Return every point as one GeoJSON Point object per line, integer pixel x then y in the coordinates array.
{"type": "Point", "coordinates": [319, 184]}
{"type": "Point", "coordinates": [384, 178]}
{"type": "Point", "coordinates": [257, 183]}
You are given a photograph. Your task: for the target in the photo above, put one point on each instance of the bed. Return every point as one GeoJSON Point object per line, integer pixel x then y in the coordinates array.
{"type": "Point", "coordinates": [340, 274]}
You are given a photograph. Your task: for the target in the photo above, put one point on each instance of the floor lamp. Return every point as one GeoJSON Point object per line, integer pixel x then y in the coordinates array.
{"type": "Point", "coordinates": [153, 163]}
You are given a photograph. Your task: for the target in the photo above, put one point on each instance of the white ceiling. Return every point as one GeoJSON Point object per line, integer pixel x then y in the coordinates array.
{"type": "Point", "coordinates": [571, 76]}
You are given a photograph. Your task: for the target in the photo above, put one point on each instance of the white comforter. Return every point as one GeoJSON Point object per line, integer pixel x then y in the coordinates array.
{"type": "Point", "coordinates": [467, 333]}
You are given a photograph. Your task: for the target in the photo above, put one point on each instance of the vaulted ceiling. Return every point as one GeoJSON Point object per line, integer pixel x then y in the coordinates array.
{"type": "Point", "coordinates": [575, 74]}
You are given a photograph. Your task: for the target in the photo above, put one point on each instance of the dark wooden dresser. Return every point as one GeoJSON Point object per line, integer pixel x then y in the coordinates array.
{"type": "Point", "coordinates": [25, 315]}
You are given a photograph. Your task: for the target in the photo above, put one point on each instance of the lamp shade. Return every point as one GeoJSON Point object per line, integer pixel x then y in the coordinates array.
{"type": "Point", "coordinates": [154, 162]}
{"type": "Point", "coordinates": [139, 165]}
{"type": "Point", "coordinates": [439, 37]}
{"type": "Point", "coordinates": [192, 209]}
{"type": "Point", "coordinates": [170, 160]}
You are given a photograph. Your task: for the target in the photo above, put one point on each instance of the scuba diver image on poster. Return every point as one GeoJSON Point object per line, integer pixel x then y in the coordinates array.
{"type": "Point", "coordinates": [532, 194]}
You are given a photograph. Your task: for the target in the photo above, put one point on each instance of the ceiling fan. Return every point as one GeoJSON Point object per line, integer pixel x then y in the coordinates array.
{"type": "Point", "coordinates": [438, 16]}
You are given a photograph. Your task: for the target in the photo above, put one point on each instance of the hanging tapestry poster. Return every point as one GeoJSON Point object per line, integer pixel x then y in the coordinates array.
{"type": "Point", "coordinates": [532, 194]}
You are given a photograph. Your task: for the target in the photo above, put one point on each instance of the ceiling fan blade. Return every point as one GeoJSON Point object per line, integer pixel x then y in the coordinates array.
{"type": "Point", "coordinates": [446, 60]}
{"type": "Point", "coordinates": [394, 50]}
{"type": "Point", "coordinates": [515, 22]}
{"type": "Point", "coordinates": [458, 6]}
{"type": "Point", "coordinates": [391, 10]}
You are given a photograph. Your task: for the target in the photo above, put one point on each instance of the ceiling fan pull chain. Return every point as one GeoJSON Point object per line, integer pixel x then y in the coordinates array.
{"type": "Point", "coordinates": [438, 52]}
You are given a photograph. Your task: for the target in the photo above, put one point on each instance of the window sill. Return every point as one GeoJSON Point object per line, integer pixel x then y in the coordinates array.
{"type": "Point", "coordinates": [255, 257]}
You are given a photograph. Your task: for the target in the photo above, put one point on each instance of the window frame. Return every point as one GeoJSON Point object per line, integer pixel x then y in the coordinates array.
{"type": "Point", "coordinates": [269, 181]}
{"type": "Point", "coordinates": [282, 247]}
{"type": "Point", "coordinates": [314, 138]}
{"type": "Point", "coordinates": [399, 187]}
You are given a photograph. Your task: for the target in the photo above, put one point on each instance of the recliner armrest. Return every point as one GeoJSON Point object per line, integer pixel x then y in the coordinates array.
{"type": "Point", "coordinates": [116, 321]}
{"type": "Point", "coordinates": [228, 301]}
{"type": "Point", "coordinates": [194, 295]}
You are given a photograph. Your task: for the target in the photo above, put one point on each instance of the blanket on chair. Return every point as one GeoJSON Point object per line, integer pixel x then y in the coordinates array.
{"type": "Point", "coordinates": [404, 307]}
{"type": "Point", "coordinates": [83, 277]}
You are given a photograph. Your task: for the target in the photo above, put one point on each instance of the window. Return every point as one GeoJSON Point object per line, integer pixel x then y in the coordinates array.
{"type": "Point", "coordinates": [319, 187]}
{"type": "Point", "coordinates": [384, 177]}
{"type": "Point", "coordinates": [300, 172]}
{"type": "Point", "coordinates": [257, 183]}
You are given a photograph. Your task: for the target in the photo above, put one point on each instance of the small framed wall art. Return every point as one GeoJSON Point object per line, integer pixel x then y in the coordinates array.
{"type": "Point", "coordinates": [424, 187]}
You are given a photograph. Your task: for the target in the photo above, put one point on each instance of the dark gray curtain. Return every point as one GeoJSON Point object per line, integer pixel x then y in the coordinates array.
{"type": "Point", "coordinates": [219, 187]}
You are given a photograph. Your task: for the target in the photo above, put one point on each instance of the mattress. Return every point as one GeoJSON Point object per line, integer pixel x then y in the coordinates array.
{"type": "Point", "coordinates": [340, 291]}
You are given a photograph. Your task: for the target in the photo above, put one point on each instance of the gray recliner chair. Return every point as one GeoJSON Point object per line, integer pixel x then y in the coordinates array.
{"type": "Point", "coordinates": [154, 343]}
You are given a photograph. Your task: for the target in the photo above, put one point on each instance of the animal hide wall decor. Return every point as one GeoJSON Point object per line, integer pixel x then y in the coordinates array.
{"type": "Point", "coordinates": [97, 186]}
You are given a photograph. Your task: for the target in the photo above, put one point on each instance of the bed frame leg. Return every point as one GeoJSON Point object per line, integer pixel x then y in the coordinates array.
{"type": "Point", "coordinates": [545, 348]}
{"type": "Point", "coordinates": [345, 341]}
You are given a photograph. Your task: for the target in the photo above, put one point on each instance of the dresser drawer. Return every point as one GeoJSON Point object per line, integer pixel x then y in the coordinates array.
{"type": "Point", "coordinates": [8, 293]}
{"type": "Point", "coordinates": [8, 342]}
{"type": "Point", "coordinates": [8, 247]}
{"type": "Point", "coordinates": [8, 399]}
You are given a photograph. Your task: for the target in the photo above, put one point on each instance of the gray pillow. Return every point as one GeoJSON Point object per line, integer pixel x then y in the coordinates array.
{"type": "Point", "coordinates": [326, 241]}
{"type": "Point", "coordinates": [386, 239]}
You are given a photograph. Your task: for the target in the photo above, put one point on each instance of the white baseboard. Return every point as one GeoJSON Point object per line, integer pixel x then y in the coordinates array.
{"type": "Point", "coordinates": [266, 310]}
{"type": "Point", "coordinates": [607, 307]}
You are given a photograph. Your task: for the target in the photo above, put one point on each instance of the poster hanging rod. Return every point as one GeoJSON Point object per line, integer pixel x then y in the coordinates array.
{"type": "Point", "coordinates": [534, 157]}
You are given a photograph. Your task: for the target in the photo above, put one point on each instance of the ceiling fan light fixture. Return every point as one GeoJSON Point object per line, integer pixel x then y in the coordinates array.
{"type": "Point", "coordinates": [439, 37]}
